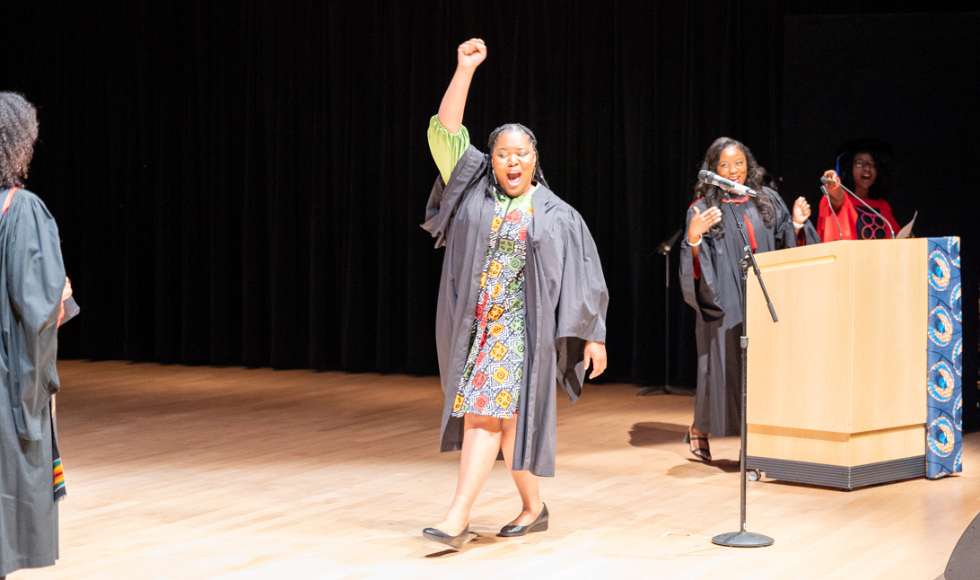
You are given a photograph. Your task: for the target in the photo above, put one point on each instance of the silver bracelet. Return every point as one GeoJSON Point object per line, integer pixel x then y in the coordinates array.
{"type": "Point", "coordinates": [700, 238]}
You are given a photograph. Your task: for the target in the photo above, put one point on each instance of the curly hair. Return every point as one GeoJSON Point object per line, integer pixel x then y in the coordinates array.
{"type": "Point", "coordinates": [883, 166]}
{"type": "Point", "coordinates": [18, 133]}
{"type": "Point", "coordinates": [492, 142]}
{"type": "Point", "coordinates": [755, 179]}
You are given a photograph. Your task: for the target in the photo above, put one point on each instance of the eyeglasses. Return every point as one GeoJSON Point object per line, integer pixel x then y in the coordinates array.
{"type": "Point", "coordinates": [725, 166]}
{"type": "Point", "coordinates": [861, 164]}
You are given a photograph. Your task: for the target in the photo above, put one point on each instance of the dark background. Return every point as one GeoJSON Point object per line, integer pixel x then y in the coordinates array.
{"type": "Point", "coordinates": [242, 183]}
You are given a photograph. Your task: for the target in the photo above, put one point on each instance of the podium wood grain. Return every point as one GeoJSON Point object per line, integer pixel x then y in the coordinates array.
{"type": "Point", "coordinates": [840, 379]}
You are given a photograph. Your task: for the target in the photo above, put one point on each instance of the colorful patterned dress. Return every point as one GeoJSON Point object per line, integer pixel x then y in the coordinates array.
{"type": "Point", "coordinates": [562, 293]}
{"type": "Point", "coordinates": [494, 369]}
{"type": "Point", "coordinates": [491, 383]}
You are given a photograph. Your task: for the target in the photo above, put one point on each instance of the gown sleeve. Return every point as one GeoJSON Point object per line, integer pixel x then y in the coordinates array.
{"type": "Point", "coordinates": [786, 235]}
{"type": "Point", "coordinates": [447, 148]}
{"type": "Point", "coordinates": [448, 195]}
{"type": "Point", "coordinates": [846, 218]}
{"type": "Point", "coordinates": [35, 280]}
{"type": "Point", "coordinates": [583, 300]}
{"type": "Point", "coordinates": [700, 292]}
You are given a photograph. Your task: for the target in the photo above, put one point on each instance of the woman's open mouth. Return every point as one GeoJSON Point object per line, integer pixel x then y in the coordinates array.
{"type": "Point", "coordinates": [514, 178]}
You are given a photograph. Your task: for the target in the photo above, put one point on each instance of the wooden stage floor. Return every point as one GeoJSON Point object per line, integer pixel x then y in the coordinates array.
{"type": "Point", "coordinates": [233, 474]}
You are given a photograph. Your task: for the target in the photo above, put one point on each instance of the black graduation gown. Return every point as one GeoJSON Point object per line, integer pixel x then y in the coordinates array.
{"type": "Point", "coordinates": [33, 277]}
{"type": "Point", "coordinates": [565, 302]}
{"type": "Point", "coordinates": [716, 297]}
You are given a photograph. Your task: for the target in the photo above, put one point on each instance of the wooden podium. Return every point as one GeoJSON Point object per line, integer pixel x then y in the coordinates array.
{"type": "Point", "coordinates": [836, 388]}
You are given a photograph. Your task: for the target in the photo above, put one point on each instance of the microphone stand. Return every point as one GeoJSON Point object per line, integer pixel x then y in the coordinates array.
{"type": "Point", "coordinates": [744, 538]}
{"type": "Point", "coordinates": [873, 210]}
{"type": "Point", "coordinates": [830, 204]}
{"type": "Point", "coordinates": [664, 249]}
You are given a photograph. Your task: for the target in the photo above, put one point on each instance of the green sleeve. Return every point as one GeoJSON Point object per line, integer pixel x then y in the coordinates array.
{"type": "Point", "coordinates": [447, 148]}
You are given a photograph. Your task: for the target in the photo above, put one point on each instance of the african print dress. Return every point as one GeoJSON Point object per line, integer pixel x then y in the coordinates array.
{"type": "Point", "coordinates": [856, 221]}
{"type": "Point", "coordinates": [491, 381]}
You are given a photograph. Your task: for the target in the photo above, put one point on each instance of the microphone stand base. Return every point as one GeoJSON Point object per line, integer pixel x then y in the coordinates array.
{"type": "Point", "coordinates": [667, 390]}
{"type": "Point", "coordinates": [742, 540]}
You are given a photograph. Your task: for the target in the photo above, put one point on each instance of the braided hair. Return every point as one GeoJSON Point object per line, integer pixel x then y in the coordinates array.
{"type": "Point", "coordinates": [18, 132]}
{"type": "Point", "coordinates": [492, 142]}
{"type": "Point", "coordinates": [754, 178]}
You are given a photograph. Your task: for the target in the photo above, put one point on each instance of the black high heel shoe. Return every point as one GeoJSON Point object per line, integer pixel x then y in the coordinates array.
{"type": "Point", "coordinates": [454, 542]}
{"type": "Point", "coordinates": [539, 524]}
{"type": "Point", "coordinates": [702, 453]}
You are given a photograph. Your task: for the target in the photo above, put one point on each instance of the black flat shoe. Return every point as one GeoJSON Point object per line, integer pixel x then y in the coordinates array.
{"type": "Point", "coordinates": [539, 524]}
{"type": "Point", "coordinates": [455, 542]}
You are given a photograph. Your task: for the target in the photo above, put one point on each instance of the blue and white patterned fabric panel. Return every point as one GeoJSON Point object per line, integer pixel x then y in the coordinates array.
{"type": "Point", "coordinates": [944, 426]}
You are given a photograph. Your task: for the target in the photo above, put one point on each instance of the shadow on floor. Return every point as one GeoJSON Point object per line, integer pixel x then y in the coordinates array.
{"type": "Point", "coordinates": [654, 434]}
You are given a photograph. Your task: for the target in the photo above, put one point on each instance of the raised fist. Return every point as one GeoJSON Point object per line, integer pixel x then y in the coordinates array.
{"type": "Point", "coordinates": [801, 211]}
{"type": "Point", "coordinates": [471, 53]}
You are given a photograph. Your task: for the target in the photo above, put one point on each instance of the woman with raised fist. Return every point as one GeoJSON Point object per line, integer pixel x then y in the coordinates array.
{"type": "Point", "coordinates": [521, 306]}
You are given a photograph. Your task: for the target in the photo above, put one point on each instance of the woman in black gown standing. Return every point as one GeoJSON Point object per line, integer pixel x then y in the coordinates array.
{"type": "Point", "coordinates": [711, 279]}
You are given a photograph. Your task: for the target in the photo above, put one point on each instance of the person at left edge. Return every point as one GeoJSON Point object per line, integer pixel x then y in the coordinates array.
{"type": "Point", "coordinates": [32, 292]}
{"type": "Point", "coordinates": [521, 307]}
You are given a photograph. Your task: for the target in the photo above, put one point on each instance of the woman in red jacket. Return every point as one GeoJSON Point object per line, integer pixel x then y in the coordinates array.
{"type": "Point", "coordinates": [863, 168]}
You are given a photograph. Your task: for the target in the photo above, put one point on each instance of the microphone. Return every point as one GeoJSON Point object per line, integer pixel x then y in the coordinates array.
{"type": "Point", "coordinates": [664, 248]}
{"type": "Point", "coordinates": [828, 181]}
{"type": "Point", "coordinates": [710, 178]}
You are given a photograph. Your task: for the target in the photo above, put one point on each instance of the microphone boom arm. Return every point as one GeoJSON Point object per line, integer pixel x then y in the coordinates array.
{"type": "Point", "coordinates": [873, 210]}
{"type": "Point", "coordinates": [830, 204]}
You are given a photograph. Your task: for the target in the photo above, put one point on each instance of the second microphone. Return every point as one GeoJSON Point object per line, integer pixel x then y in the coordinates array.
{"type": "Point", "coordinates": [728, 185]}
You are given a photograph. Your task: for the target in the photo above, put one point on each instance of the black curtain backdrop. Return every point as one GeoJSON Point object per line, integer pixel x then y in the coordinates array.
{"type": "Point", "coordinates": [242, 183]}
